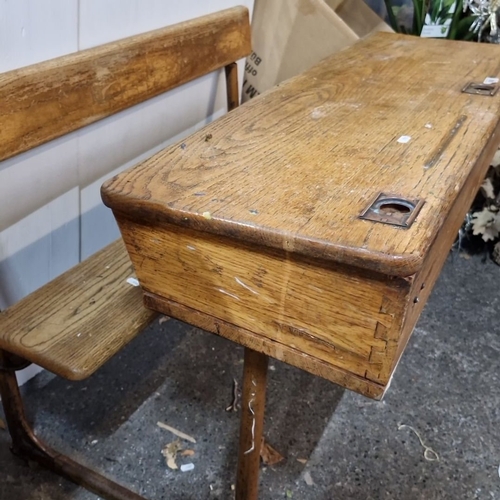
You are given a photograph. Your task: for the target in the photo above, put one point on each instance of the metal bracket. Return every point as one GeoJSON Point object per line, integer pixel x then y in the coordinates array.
{"type": "Point", "coordinates": [393, 210]}
{"type": "Point", "coordinates": [479, 88]}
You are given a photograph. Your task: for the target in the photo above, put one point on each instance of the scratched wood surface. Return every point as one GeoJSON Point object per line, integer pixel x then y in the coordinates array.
{"type": "Point", "coordinates": [295, 168]}
{"type": "Point", "coordinates": [336, 315]}
{"type": "Point", "coordinates": [75, 323]}
{"type": "Point", "coordinates": [250, 228]}
{"type": "Point", "coordinates": [46, 100]}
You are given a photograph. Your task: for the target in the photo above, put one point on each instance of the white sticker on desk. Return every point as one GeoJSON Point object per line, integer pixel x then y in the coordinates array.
{"type": "Point", "coordinates": [490, 80]}
{"type": "Point", "coordinates": [133, 281]}
{"type": "Point", "coordinates": [404, 139]}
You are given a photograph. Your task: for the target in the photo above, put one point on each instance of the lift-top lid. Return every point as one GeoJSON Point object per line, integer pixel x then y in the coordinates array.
{"type": "Point", "coordinates": [296, 167]}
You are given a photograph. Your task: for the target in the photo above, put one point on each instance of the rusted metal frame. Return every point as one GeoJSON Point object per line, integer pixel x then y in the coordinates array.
{"type": "Point", "coordinates": [232, 91]}
{"type": "Point", "coordinates": [252, 424]}
{"type": "Point", "coordinates": [26, 444]}
{"type": "Point", "coordinates": [393, 210]}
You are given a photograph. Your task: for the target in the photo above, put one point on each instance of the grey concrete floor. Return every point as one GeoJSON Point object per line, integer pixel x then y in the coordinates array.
{"type": "Point", "coordinates": [447, 388]}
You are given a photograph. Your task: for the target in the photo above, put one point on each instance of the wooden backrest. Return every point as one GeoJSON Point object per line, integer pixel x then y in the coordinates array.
{"type": "Point", "coordinates": [44, 101]}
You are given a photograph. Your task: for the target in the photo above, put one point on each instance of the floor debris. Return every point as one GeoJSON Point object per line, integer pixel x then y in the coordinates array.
{"type": "Point", "coordinates": [234, 406]}
{"type": "Point", "coordinates": [308, 479]}
{"type": "Point", "coordinates": [187, 467]}
{"type": "Point", "coordinates": [170, 453]}
{"type": "Point", "coordinates": [429, 454]}
{"type": "Point", "coordinates": [178, 433]}
{"type": "Point", "coordinates": [302, 460]}
{"type": "Point", "coordinates": [187, 453]}
{"type": "Point", "coordinates": [163, 319]}
{"type": "Point", "coordinates": [268, 454]}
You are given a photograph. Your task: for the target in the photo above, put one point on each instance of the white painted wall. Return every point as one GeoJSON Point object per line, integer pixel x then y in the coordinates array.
{"type": "Point", "coordinates": [51, 213]}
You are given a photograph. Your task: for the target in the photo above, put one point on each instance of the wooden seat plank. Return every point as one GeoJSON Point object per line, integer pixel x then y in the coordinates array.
{"type": "Point", "coordinates": [75, 323]}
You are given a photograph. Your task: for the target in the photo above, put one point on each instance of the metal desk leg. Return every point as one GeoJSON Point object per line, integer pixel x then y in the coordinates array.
{"type": "Point", "coordinates": [27, 445]}
{"type": "Point", "coordinates": [252, 423]}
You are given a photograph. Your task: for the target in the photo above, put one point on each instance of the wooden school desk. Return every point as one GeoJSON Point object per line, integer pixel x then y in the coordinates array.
{"type": "Point", "coordinates": [311, 223]}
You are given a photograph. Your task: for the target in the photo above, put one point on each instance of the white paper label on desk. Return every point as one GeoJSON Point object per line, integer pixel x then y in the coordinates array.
{"type": "Point", "coordinates": [489, 80]}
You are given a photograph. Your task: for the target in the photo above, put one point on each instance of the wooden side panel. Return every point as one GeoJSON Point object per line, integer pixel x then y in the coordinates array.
{"type": "Point", "coordinates": [267, 346]}
{"type": "Point", "coordinates": [331, 313]}
{"type": "Point", "coordinates": [98, 82]}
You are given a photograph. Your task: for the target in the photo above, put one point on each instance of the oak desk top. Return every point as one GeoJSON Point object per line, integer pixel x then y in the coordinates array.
{"type": "Point", "coordinates": [296, 167]}
{"type": "Point", "coordinates": [252, 228]}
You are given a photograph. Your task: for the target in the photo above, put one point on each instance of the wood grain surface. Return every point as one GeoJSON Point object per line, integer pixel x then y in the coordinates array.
{"type": "Point", "coordinates": [256, 342]}
{"type": "Point", "coordinates": [294, 168]}
{"type": "Point", "coordinates": [332, 313]}
{"type": "Point", "coordinates": [250, 228]}
{"type": "Point", "coordinates": [75, 323]}
{"type": "Point", "coordinates": [46, 100]}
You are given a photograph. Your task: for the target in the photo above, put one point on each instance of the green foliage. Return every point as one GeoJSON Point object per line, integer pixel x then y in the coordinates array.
{"type": "Point", "coordinates": [437, 12]}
